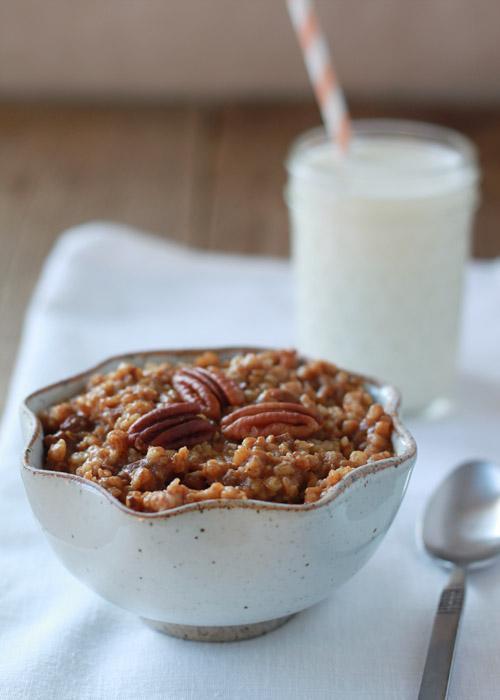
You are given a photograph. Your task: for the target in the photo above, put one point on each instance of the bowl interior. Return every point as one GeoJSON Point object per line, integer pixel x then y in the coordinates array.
{"type": "Point", "coordinates": [403, 443]}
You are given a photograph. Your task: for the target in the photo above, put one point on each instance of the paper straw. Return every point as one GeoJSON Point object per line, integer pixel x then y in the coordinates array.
{"type": "Point", "coordinates": [321, 72]}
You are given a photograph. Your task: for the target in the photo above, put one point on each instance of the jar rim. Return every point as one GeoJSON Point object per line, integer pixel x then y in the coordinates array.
{"type": "Point", "coordinates": [424, 132]}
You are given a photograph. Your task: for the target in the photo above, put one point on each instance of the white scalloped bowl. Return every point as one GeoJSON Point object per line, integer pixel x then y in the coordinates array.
{"type": "Point", "coordinates": [215, 570]}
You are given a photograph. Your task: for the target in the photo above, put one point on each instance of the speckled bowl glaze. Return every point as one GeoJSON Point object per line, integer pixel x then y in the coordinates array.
{"type": "Point", "coordinates": [218, 570]}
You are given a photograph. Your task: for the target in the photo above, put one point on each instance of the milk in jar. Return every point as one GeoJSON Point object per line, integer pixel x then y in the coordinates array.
{"type": "Point", "coordinates": [379, 240]}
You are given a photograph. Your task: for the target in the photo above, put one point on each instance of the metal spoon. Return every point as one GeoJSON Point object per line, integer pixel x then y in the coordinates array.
{"type": "Point", "coordinates": [461, 527]}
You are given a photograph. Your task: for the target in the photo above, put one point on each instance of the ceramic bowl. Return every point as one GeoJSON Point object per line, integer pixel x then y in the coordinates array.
{"type": "Point", "coordinates": [215, 570]}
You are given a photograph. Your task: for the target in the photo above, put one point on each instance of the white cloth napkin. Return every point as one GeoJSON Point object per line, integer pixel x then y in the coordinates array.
{"type": "Point", "coordinates": [104, 290]}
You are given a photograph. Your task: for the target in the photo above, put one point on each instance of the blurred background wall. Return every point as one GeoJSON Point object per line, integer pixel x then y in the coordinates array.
{"type": "Point", "coordinates": [437, 50]}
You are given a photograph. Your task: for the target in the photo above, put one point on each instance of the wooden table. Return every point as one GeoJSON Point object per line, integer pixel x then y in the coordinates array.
{"type": "Point", "coordinates": [209, 176]}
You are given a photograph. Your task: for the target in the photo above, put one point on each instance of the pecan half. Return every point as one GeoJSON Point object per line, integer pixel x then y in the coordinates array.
{"type": "Point", "coordinates": [171, 426]}
{"type": "Point", "coordinates": [211, 389]}
{"type": "Point", "coordinates": [270, 418]}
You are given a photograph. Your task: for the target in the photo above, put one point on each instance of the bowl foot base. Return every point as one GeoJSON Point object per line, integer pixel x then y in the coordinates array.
{"type": "Point", "coordinates": [228, 633]}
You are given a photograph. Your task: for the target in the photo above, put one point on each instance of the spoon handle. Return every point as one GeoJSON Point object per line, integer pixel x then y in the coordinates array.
{"type": "Point", "coordinates": [439, 660]}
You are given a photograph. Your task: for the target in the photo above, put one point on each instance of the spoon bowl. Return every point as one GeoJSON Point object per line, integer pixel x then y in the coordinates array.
{"type": "Point", "coordinates": [461, 523]}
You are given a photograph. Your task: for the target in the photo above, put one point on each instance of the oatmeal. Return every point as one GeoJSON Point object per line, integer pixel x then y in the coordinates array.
{"type": "Point", "coordinates": [266, 425]}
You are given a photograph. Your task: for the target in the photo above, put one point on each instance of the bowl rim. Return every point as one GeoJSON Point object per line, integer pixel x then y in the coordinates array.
{"type": "Point", "coordinates": [393, 400]}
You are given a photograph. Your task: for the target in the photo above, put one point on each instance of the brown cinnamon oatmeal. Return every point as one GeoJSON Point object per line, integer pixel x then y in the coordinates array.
{"type": "Point", "coordinates": [267, 426]}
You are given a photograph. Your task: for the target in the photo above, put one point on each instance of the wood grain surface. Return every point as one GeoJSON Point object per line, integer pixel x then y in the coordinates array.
{"type": "Point", "coordinates": [209, 176]}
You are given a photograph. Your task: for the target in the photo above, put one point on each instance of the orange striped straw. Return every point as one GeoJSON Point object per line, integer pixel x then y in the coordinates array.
{"type": "Point", "coordinates": [321, 72]}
